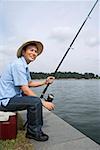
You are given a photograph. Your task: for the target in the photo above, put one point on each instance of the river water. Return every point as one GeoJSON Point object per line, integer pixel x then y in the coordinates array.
{"type": "Point", "coordinates": [78, 103]}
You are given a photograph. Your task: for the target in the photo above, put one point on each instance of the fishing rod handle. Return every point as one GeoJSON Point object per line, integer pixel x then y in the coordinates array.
{"type": "Point", "coordinates": [42, 95]}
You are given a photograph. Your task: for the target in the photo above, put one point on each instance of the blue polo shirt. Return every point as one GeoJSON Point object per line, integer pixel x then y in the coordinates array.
{"type": "Point", "coordinates": [15, 75]}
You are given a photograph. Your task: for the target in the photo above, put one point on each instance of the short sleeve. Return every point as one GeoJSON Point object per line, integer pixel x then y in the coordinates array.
{"type": "Point", "coordinates": [20, 75]}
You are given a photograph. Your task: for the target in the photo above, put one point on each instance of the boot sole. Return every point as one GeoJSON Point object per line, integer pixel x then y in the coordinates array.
{"type": "Point", "coordinates": [37, 139]}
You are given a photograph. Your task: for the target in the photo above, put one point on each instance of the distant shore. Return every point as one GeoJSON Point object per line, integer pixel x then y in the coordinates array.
{"type": "Point", "coordinates": [64, 75]}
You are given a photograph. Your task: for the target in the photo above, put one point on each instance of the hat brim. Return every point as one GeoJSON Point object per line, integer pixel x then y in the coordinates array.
{"type": "Point", "coordinates": [38, 44]}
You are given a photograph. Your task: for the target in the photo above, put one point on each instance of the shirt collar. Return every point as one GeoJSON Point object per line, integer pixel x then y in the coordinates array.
{"type": "Point", "coordinates": [24, 61]}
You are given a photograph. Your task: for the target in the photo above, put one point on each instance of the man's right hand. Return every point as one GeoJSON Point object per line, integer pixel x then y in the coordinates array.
{"type": "Point", "coordinates": [48, 105]}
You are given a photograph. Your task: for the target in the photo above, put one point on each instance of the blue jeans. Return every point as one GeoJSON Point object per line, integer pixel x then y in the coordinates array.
{"type": "Point", "coordinates": [34, 111]}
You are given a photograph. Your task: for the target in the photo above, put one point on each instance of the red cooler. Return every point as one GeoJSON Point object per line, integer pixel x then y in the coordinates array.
{"type": "Point", "coordinates": [8, 125]}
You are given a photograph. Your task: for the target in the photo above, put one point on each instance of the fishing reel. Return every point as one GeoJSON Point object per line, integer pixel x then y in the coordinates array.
{"type": "Point", "coordinates": [50, 98]}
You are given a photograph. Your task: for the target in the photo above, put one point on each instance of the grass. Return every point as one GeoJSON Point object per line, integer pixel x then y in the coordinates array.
{"type": "Point", "coordinates": [20, 143]}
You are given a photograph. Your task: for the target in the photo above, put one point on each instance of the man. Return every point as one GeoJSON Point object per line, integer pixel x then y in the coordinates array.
{"type": "Point", "coordinates": [15, 92]}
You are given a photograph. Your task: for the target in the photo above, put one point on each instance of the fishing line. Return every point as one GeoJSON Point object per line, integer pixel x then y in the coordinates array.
{"type": "Point", "coordinates": [70, 47]}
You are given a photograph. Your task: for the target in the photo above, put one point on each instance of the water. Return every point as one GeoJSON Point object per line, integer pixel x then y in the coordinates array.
{"type": "Point", "coordinates": [78, 103]}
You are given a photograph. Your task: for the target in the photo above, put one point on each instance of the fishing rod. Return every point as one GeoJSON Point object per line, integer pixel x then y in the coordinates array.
{"type": "Point", "coordinates": [44, 91]}
{"type": "Point", "coordinates": [50, 96]}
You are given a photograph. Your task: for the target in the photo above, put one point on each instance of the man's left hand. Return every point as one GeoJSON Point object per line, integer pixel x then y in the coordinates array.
{"type": "Point", "coordinates": [50, 80]}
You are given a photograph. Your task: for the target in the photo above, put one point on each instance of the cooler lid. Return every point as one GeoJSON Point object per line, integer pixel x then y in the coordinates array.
{"type": "Point", "coordinates": [4, 116]}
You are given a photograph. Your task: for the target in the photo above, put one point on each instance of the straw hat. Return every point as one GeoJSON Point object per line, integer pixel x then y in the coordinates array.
{"type": "Point", "coordinates": [38, 44]}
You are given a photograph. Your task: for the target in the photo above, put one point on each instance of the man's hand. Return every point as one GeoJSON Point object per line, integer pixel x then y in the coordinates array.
{"type": "Point", "coordinates": [50, 80]}
{"type": "Point", "coordinates": [48, 105]}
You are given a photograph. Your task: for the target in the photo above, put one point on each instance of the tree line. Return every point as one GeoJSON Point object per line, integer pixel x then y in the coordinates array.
{"type": "Point", "coordinates": [64, 75]}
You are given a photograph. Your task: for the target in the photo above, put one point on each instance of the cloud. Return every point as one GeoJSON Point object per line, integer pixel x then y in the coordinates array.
{"type": "Point", "coordinates": [61, 33]}
{"type": "Point", "coordinates": [92, 41]}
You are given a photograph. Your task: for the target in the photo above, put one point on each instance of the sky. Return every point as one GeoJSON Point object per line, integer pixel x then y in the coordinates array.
{"type": "Point", "coordinates": [55, 24]}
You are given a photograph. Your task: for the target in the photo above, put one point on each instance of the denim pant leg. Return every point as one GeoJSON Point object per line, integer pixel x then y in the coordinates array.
{"type": "Point", "coordinates": [34, 111]}
{"type": "Point", "coordinates": [35, 118]}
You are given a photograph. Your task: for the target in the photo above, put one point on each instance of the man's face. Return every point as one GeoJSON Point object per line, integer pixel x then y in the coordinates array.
{"type": "Point", "coordinates": [30, 53]}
